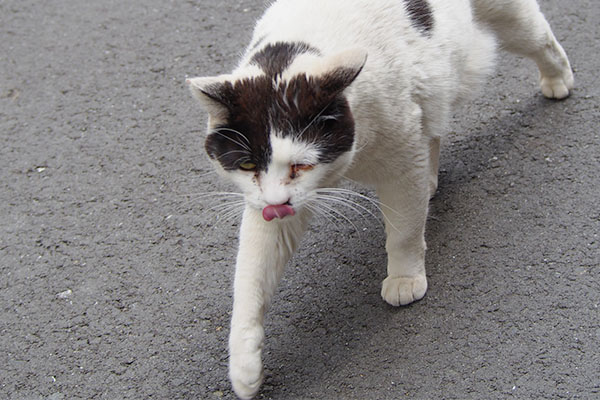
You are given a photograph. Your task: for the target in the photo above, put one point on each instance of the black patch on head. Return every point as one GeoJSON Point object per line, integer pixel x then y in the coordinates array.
{"type": "Point", "coordinates": [276, 57]}
{"type": "Point", "coordinates": [420, 14]}
{"type": "Point", "coordinates": [315, 111]}
{"type": "Point", "coordinates": [312, 109]}
{"type": "Point", "coordinates": [245, 136]}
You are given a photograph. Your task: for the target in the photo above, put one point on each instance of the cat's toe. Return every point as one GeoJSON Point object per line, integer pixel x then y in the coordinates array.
{"type": "Point", "coordinates": [558, 87]}
{"type": "Point", "coordinates": [246, 374]}
{"type": "Point", "coordinates": [399, 291]}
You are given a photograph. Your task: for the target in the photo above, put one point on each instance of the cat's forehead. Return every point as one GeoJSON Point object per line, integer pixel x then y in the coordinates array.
{"type": "Point", "coordinates": [280, 59]}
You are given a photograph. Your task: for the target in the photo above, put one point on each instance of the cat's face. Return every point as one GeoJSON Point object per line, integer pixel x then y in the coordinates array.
{"type": "Point", "coordinates": [281, 137]}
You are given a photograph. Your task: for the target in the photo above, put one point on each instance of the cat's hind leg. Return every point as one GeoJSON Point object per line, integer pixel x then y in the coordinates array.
{"type": "Point", "coordinates": [521, 28]}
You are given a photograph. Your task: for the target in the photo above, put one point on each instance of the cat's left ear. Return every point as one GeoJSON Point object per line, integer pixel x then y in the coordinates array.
{"type": "Point", "coordinates": [210, 92]}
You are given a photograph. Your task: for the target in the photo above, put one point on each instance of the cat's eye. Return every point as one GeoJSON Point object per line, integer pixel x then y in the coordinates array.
{"type": "Point", "coordinates": [297, 168]}
{"type": "Point", "coordinates": [248, 166]}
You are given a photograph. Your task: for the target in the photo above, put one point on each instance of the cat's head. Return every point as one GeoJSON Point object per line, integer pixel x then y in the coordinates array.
{"type": "Point", "coordinates": [281, 128]}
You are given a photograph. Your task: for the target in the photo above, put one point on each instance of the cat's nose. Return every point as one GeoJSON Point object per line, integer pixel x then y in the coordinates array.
{"type": "Point", "coordinates": [276, 196]}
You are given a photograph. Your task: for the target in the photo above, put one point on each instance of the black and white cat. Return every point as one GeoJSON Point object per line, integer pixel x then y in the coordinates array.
{"type": "Point", "coordinates": [351, 88]}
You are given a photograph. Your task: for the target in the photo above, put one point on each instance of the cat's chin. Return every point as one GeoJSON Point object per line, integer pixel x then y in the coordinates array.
{"type": "Point", "coordinates": [281, 211]}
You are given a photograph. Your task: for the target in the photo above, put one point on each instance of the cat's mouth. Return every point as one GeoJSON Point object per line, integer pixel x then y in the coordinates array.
{"type": "Point", "coordinates": [280, 211]}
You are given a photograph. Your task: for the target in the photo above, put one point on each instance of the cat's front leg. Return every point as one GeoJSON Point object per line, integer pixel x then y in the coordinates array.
{"type": "Point", "coordinates": [265, 248]}
{"type": "Point", "coordinates": [404, 205]}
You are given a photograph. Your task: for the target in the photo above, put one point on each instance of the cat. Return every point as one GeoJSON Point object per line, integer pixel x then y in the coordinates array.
{"type": "Point", "coordinates": [361, 89]}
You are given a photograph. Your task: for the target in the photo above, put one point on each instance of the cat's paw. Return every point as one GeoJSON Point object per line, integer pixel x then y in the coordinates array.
{"type": "Point", "coordinates": [246, 374]}
{"type": "Point", "coordinates": [558, 87]}
{"type": "Point", "coordinates": [245, 361]}
{"type": "Point", "coordinates": [403, 290]}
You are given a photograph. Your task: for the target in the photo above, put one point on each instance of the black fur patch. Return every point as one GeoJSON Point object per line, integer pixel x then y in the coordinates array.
{"type": "Point", "coordinates": [421, 15]}
{"type": "Point", "coordinates": [275, 58]}
{"type": "Point", "coordinates": [244, 137]}
{"type": "Point", "coordinates": [310, 108]}
{"type": "Point", "coordinates": [315, 111]}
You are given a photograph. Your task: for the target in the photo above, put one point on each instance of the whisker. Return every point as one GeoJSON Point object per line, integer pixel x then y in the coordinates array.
{"type": "Point", "coordinates": [202, 196]}
{"type": "Point", "coordinates": [213, 194]}
{"type": "Point", "coordinates": [290, 125]}
{"type": "Point", "coordinates": [336, 201]}
{"type": "Point", "coordinates": [378, 204]}
{"type": "Point", "coordinates": [199, 197]}
{"type": "Point", "coordinates": [329, 216]}
{"type": "Point", "coordinates": [235, 131]}
{"type": "Point", "coordinates": [313, 121]}
{"type": "Point", "coordinates": [337, 212]}
{"type": "Point", "coordinates": [350, 204]}
{"type": "Point", "coordinates": [204, 174]}
{"type": "Point", "coordinates": [235, 151]}
{"type": "Point", "coordinates": [233, 213]}
{"type": "Point", "coordinates": [318, 211]}
{"type": "Point", "coordinates": [245, 146]}
{"type": "Point", "coordinates": [226, 206]}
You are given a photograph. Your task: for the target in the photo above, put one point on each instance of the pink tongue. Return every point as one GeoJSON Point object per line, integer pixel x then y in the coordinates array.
{"type": "Point", "coordinates": [281, 211]}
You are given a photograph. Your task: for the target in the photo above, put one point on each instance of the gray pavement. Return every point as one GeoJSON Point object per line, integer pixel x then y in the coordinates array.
{"type": "Point", "coordinates": [115, 274]}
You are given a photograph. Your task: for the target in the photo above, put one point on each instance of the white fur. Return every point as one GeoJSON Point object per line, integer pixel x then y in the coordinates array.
{"type": "Point", "coordinates": [401, 102]}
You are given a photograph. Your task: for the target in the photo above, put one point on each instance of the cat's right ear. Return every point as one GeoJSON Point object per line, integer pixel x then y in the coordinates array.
{"type": "Point", "coordinates": [337, 72]}
{"type": "Point", "coordinates": [210, 91]}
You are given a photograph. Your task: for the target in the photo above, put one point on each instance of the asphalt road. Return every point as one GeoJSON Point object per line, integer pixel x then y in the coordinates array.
{"type": "Point", "coordinates": [115, 275]}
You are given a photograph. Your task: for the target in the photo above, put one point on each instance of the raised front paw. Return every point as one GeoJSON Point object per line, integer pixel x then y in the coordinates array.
{"type": "Point", "coordinates": [403, 290]}
{"type": "Point", "coordinates": [246, 374]}
{"type": "Point", "coordinates": [558, 87]}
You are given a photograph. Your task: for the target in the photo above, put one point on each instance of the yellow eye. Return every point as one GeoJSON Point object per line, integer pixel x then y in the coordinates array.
{"type": "Point", "coordinates": [248, 166]}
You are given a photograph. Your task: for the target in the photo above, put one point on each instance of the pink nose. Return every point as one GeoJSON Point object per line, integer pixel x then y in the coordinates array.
{"type": "Point", "coordinates": [278, 211]}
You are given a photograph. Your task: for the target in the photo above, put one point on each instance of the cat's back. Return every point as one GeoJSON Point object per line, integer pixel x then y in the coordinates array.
{"type": "Point", "coordinates": [333, 24]}
{"type": "Point", "coordinates": [396, 34]}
